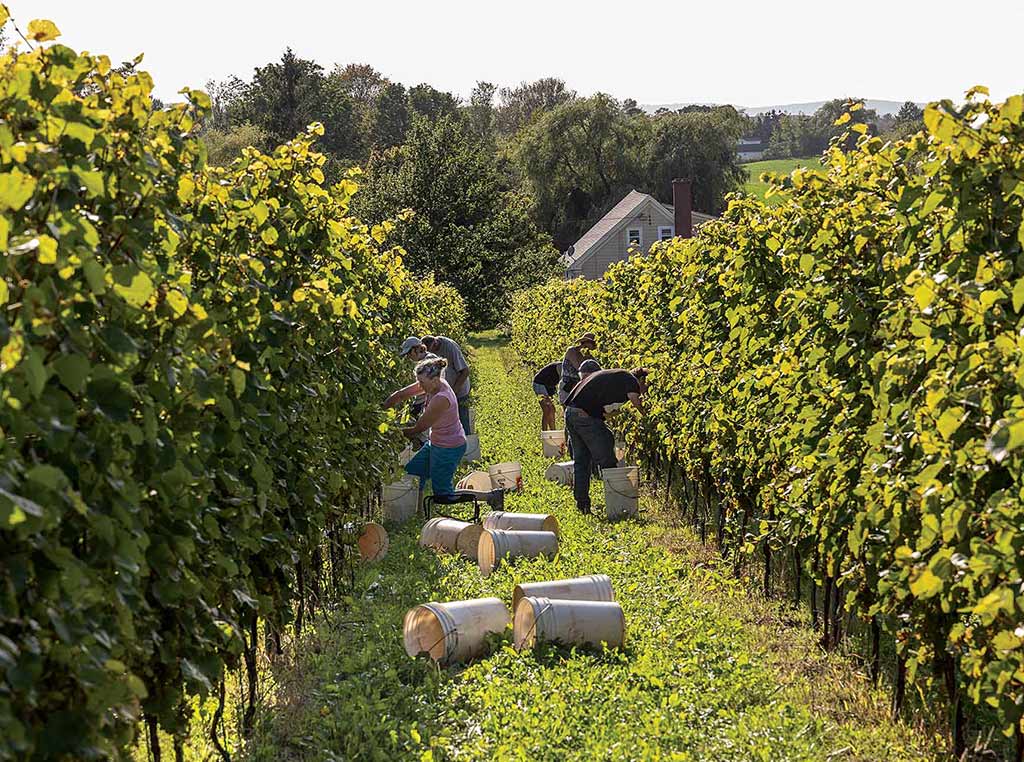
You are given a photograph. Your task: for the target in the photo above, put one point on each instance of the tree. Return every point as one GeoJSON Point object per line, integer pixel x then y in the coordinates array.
{"type": "Point", "coordinates": [391, 120]}
{"type": "Point", "coordinates": [284, 98]}
{"type": "Point", "coordinates": [432, 104]}
{"type": "Point", "coordinates": [480, 111]}
{"type": "Point", "coordinates": [578, 160]}
{"type": "Point", "coordinates": [466, 228]}
{"type": "Point", "coordinates": [361, 82]}
{"type": "Point", "coordinates": [519, 105]}
{"type": "Point", "coordinates": [802, 136]}
{"type": "Point", "coordinates": [909, 119]}
{"type": "Point", "coordinates": [700, 146]}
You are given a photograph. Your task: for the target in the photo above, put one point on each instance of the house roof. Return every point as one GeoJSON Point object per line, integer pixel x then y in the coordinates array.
{"type": "Point", "coordinates": [619, 214]}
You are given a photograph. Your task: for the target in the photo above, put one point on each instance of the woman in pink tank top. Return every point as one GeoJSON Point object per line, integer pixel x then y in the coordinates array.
{"type": "Point", "coordinates": [438, 459]}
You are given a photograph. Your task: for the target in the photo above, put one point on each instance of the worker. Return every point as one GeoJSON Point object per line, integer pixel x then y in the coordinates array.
{"type": "Point", "coordinates": [593, 443]}
{"type": "Point", "coordinates": [441, 455]}
{"type": "Point", "coordinates": [545, 385]}
{"type": "Point", "coordinates": [457, 373]}
{"type": "Point", "coordinates": [575, 354]}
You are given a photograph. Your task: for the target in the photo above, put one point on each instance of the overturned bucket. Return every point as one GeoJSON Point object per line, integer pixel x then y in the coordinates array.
{"type": "Point", "coordinates": [401, 499]}
{"type": "Point", "coordinates": [593, 587]}
{"type": "Point", "coordinates": [621, 491]}
{"type": "Point", "coordinates": [453, 632]}
{"type": "Point", "coordinates": [508, 476]}
{"type": "Point", "coordinates": [497, 544]}
{"type": "Point", "coordinates": [451, 535]}
{"type": "Point", "coordinates": [372, 542]}
{"type": "Point", "coordinates": [476, 481]}
{"type": "Point", "coordinates": [570, 623]}
{"type": "Point", "coordinates": [560, 473]}
{"type": "Point", "coordinates": [553, 441]}
{"type": "Point", "coordinates": [531, 522]}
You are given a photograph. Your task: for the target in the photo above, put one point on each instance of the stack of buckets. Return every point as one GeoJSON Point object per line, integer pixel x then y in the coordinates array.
{"type": "Point", "coordinates": [573, 612]}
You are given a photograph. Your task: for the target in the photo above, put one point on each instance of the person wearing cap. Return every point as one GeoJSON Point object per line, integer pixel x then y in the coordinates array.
{"type": "Point", "coordinates": [415, 350]}
{"type": "Point", "coordinates": [593, 443]}
{"type": "Point", "coordinates": [579, 351]}
{"type": "Point", "coordinates": [457, 372]}
{"type": "Point", "coordinates": [545, 386]}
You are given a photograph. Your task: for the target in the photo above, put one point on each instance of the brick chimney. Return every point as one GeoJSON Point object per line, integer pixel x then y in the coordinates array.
{"type": "Point", "coordinates": [682, 203]}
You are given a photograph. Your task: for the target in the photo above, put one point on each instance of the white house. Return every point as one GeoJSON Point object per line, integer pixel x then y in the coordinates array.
{"type": "Point", "coordinates": [632, 226]}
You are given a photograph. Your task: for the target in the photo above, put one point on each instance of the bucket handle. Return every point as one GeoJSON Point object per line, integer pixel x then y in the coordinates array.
{"type": "Point", "coordinates": [536, 619]}
{"type": "Point", "coordinates": [618, 492]}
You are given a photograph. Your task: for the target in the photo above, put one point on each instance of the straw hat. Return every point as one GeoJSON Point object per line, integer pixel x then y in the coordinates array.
{"type": "Point", "coordinates": [587, 338]}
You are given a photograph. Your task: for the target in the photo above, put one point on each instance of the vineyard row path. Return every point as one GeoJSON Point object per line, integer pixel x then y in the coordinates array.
{"type": "Point", "coordinates": [708, 672]}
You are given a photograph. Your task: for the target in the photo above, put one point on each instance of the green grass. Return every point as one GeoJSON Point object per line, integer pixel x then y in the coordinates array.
{"type": "Point", "coordinates": [755, 187]}
{"type": "Point", "coordinates": [707, 672]}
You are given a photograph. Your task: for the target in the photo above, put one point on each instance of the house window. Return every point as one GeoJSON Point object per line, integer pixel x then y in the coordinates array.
{"type": "Point", "coordinates": [664, 233]}
{"type": "Point", "coordinates": [633, 237]}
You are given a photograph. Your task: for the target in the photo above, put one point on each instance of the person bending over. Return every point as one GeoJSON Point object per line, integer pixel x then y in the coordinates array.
{"type": "Point", "coordinates": [545, 385]}
{"type": "Point", "coordinates": [457, 373]}
{"type": "Point", "coordinates": [574, 357]}
{"type": "Point", "coordinates": [441, 455]}
{"type": "Point", "coordinates": [593, 443]}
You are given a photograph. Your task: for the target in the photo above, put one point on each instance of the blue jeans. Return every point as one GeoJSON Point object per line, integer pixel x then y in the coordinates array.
{"type": "Point", "coordinates": [593, 444]}
{"type": "Point", "coordinates": [464, 413]}
{"type": "Point", "coordinates": [437, 464]}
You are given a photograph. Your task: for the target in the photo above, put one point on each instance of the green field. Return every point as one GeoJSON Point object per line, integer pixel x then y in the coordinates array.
{"type": "Point", "coordinates": [755, 187]}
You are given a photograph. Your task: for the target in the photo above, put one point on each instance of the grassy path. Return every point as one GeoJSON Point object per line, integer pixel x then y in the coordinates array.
{"type": "Point", "coordinates": [697, 680]}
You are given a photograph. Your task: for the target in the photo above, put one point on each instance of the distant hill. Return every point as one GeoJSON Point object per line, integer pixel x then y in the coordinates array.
{"type": "Point", "coordinates": [882, 107]}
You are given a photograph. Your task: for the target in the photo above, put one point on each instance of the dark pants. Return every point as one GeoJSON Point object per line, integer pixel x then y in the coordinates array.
{"type": "Point", "coordinates": [464, 414]}
{"type": "Point", "coordinates": [593, 444]}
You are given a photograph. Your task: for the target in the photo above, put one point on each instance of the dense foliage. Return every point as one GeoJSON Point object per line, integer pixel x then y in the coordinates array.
{"type": "Point", "coordinates": [839, 376]}
{"type": "Point", "coordinates": [191, 371]}
{"type": "Point", "coordinates": [463, 227]}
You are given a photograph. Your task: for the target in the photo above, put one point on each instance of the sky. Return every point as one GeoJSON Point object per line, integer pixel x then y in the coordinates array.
{"type": "Point", "coordinates": [714, 51]}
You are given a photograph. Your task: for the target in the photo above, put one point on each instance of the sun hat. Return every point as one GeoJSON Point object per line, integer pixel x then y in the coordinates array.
{"type": "Point", "coordinates": [589, 366]}
{"type": "Point", "coordinates": [408, 345]}
{"type": "Point", "coordinates": [588, 338]}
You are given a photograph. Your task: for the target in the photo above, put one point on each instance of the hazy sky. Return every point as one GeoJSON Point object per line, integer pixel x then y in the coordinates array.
{"type": "Point", "coordinates": [748, 54]}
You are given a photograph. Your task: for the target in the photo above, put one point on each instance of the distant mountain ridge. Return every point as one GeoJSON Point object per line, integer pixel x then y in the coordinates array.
{"type": "Point", "coordinates": [882, 107]}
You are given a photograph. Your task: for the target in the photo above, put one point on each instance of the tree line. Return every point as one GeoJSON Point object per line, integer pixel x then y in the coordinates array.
{"type": "Point", "coordinates": [498, 184]}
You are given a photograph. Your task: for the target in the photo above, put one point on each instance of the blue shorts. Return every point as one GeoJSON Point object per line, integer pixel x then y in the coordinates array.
{"type": "Point", "coordinates": [437, 464]}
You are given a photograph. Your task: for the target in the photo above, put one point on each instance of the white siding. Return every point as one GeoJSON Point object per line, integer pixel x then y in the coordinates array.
{"type": "Point", "coordinates": [615, 248]}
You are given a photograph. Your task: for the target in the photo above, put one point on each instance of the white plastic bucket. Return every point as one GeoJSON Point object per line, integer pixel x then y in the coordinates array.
{"type": "Point", "coordinates": [530, 522]}
{"type": "Point", "coordinates": [621, 491]}
{"type": "Point", "coordinates": [560, 473]}
{"type": "Point", "coordinates": [553, 442]}
{"type": "Point", "coordinates": [498, 544]}
{"type": "Point", "coordinates": [593, 587]}
{"type": "Point", "coordinates": [401, 499]}
{"type": "Point", "coordinates": [506, 476]}
{"type": "Point", "coordinates": [372, 542]}
{"type": "Point", "coordinates": [472, 448]}
{"type": "Point", "coordinates": [476, 481]}
{"type": "Point", "coordinates": [405, 456]}
{"type": "Point", "coordinates": [451, 535]}
{"type": "Point", "coordinates": [571, 623]}
{"type": "Point", "coordinates": [453, 632]}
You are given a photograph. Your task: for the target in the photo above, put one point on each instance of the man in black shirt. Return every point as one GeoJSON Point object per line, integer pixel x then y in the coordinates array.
{"type": "Point", "coordinates": [593, 443]}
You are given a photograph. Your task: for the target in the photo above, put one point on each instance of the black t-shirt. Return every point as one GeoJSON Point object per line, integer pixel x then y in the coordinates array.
{"type": "Point", "coordinates": [606, 387]}
{"type": "Point", "coordinates": [548, 376]}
